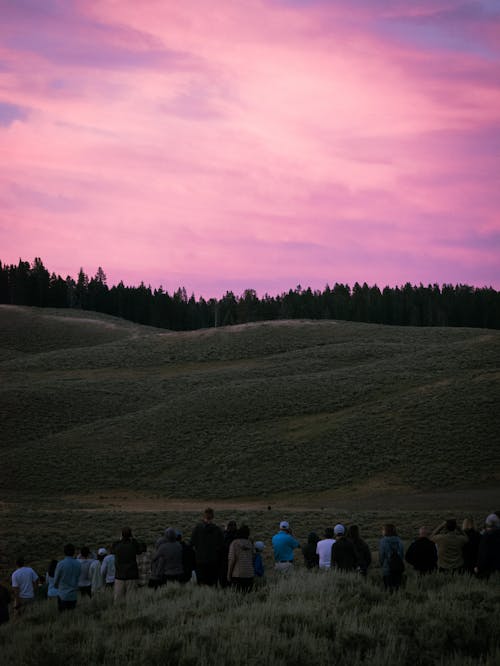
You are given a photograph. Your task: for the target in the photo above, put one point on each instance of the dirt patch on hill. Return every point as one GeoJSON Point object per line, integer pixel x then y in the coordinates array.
{"type": "Point", "coordinates": [370, 496]}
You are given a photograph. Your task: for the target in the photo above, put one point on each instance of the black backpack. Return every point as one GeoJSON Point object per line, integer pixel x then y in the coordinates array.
{"type": "Point", "coordinates": [396, 564]}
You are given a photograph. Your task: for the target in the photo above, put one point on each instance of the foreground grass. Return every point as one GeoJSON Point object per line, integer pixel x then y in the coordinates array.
{"type": "Point", "coordinates": [307, 618]}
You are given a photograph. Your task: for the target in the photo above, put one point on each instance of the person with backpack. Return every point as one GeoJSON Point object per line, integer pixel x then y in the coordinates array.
{"type": "Point", "coordinates": [391, 554]}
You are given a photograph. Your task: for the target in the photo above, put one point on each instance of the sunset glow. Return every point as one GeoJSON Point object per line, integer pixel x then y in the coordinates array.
{"type": "Point", "coordinates": [252, 144]}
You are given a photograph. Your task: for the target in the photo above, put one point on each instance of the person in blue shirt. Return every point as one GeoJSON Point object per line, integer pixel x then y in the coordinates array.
{"type": "Point", "coordinates": [66, 579]}
{"type": "Point", "coordinates": [283, 545]}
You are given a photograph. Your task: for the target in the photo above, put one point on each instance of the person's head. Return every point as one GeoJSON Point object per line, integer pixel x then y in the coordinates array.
{"type": "Point", "coordinates": [171, 535]}
{"type": "Point", "coordinates": [85, 552]}
{"type": "Point", "coordinates": [492, 521]}
{"type": "Point", "coordinates": [451, 525]}
{"type": "Point", "coordinates": [126, 533]}
{"type": "Point", "coordinates": [101, 553]}
{"type": "Point", "coordinates": [259, 546]}
{"type": "Point", "coordinates": [468, 524]}
{"type": "Point", "coordinates": [69, 550]}
{"type": "Point", "coordinates": [338, 531]}
{"type": "Point", "coordinates": [208, 515]}
{"type": "Point", "coordinates": [51, 569]}
{"type": "Point", "coordinates": [329, 533]}
{"type": "Point", "coordinates": [423, 532]}
{"type": "Point", "coordinates": [41, 580]}
{"type": "Point", "coordinates": [243, 532]}
{"type": "Point", "coordinates": [231, 526]}
{"type": "Point", "coordinates": [20, 562]}
{"type": "Point", "coordinates": [389, 530]}
{"type": "Point", "coordinates": [353, 532]}
{"type": "Point", "coordinates": [285, 526]}
{"type": "Point", "coordinates": [312, 537]}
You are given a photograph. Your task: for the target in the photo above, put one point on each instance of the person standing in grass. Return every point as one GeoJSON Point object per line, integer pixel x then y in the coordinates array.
{"type": "Point", "coordinates": [343, 555]}
{"type": "Point", "coordinates": [52, 592]}
{"type": "Point", "coordinates": [488, 559]}
{"type": "Point", "coordinates": [450, 542]}
{"type": "Point", "coordinates": [188, 559]}
{"type": "Point", "coordinates": [85, 584]}
{"type": "Point", "coordinates": [361, 548]}
{"type": "Point", "coordinates": [23, 585]}
{"type": "Point", "coordinates": [240, 561]}
{"type": "Point", "coordinates": [283, 546]}
{"type": "Point", "coordinates": [207, 541]}
{"type": "Point", "coordinates": [108, 569]}
{"type": "Point", "coordinates": [167, 560]}
{"type": "Point", "coordinates": [126, 569]}
{"type": "Point", "coordinates": [258, 562]}
{"type": "Point", "coordinates": [471, 548]}
{"type": "Point", "coordinates": [66, 579]}
{"type": "Point", "coordinates": [309, 552]}
{"type": "Point", "coordinates": [422, 553]}
{"type": "Point", "coordinates": [229, 536]}
{"type": "Point", "coordinates": [95, 571]}
{"type": "Point", "coordinates": [324, 549]}
{"type": "Point", "coordinates": [391, 553]}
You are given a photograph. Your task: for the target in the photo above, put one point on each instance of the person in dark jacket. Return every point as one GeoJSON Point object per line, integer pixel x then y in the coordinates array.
{"type": "Point", "coordinates": [126, 569]}
{"type": "Point", "coordinates": [311, 558]}
{"type": "Point", "coordinates": [343, 553]}
{"type": "Point", "coordinates": [188, 559]}
{"type": "Point", "coordinates": [422, 553]}
{"type": "Point", "coordinates": [207, 540]}
{"type": "Point", "coordinates": [167, 560]}
{"type": "Point", "coordinates": [362, 549]}
{"type": "Point", "coordinates": [488, 558]}
{"type": "Point", "coordinates": [471, 548]}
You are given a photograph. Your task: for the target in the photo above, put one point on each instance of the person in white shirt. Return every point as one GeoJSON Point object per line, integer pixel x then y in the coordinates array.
{"type": "Point", "coordinates": [23, 585]}
{"type": "Point", "coordinates": [324, 549]}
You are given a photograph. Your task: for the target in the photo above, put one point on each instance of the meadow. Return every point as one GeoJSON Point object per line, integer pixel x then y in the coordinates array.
{"type": "Point", "coordinates": [105, 423]}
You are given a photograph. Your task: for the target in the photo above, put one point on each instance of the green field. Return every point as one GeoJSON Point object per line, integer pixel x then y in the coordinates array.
{"type": "Point", "coordinates": [105, 423]}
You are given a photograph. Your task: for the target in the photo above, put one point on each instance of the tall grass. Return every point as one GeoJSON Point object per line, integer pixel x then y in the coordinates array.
{"type": "Point", "coordinates": [305, 618]}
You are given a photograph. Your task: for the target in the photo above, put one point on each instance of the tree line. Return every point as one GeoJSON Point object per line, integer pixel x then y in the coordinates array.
{"type": "Point", "coordinates": [408, 305]}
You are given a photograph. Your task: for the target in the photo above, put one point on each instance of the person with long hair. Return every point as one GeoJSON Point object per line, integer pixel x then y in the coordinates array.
{"type": "Point", "coordinates": [52, 592]}
{"type": "Point", "coordinates": [391, 553]}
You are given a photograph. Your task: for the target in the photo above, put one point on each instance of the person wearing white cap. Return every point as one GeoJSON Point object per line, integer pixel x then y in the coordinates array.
{"type": "Point", "coordinates": [95, 573]}
{"type": "Point", "coordinates": [343, 553]}
{"type": "Point", "coordinates": [283, 546]}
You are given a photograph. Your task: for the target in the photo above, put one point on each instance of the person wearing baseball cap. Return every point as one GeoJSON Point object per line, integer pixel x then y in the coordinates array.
{"type": "Point", "coordinates": [283, 546]}
{"type": "Point", "coordinates": [343, 553]}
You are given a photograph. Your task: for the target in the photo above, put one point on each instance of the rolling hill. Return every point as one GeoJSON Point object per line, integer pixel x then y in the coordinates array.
{"type": "Point", "coordinates": [90, 403]}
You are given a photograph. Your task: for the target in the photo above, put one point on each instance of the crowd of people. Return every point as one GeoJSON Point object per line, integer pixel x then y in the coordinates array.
{"type": "Point", "coordinates": [229, 557]}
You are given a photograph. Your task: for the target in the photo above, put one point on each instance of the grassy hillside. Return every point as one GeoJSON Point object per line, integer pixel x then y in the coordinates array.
{"type": "Point", "coordinates": [92, 403]}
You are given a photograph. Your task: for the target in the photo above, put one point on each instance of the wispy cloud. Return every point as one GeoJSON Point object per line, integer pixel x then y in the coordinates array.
{"type": "Point", "coordinates": [260, 144]}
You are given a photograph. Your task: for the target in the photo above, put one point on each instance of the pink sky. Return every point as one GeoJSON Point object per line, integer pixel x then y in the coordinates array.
{"type": "Point", "coordinates": [252, 143]}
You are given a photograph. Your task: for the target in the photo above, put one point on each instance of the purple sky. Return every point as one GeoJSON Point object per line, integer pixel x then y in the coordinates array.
{"type": "Point", "coordinates": [252, 144]}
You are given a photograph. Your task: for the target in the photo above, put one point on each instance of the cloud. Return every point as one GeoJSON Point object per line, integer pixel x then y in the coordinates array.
{"type": "Point", "coordinates": [264, 145]}
{"type": "Point", "coordinates": [9, 113]}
